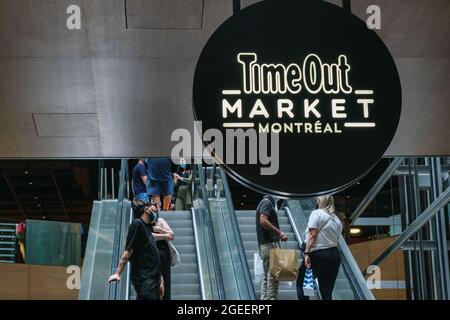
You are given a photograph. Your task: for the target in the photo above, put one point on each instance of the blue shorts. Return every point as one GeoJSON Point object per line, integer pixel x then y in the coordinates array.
{"type": "Point", "coordinates": [157, 188]}
{"type": "Point", "coordinates": [142, 197]}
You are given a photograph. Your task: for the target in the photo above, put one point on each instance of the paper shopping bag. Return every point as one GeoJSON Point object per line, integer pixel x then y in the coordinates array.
{"type": "Point", "coordinates": [283, 264]}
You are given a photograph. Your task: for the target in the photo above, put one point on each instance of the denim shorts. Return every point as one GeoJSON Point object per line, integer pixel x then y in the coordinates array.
{"type": "Point", "coordinates": [142, 197]}
{"type": "Point", "coordinates": [157, 188]}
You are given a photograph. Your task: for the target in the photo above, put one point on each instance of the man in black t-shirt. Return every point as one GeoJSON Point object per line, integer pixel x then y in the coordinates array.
{"type": "Point", "coordinates": [268, 233]}
{"type": "Point", "coordinates": [143, 254]}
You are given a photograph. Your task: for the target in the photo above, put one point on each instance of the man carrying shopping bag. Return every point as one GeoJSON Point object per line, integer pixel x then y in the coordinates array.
{"type": "Point", "coordinates": [269, 234]}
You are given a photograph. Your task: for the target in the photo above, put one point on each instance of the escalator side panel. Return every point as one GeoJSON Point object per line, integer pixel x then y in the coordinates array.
{"type": "Point", "coordinates": [89, 254]}
{"type": "Point", "coordinates": [102, 250]}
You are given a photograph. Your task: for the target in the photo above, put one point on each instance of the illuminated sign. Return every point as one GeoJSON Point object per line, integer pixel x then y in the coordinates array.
{"type": "Point", "coordinates": [314, 75]}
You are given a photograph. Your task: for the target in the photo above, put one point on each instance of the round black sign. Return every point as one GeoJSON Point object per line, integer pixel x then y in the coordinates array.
{"type": "Point", "coordinates": [307, 74]}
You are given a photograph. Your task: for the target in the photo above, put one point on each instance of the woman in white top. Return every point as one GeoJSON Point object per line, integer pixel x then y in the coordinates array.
{"type": "Point", "coordinates": [321, 253]}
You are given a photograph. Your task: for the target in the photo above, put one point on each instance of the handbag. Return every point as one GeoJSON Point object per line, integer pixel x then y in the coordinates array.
{"type": "Point", "coordinates": [283, 264]}
{"type": "Point", "coordinates": [174, 255]}
{"type": "Point", "coordinates": [258, 267]}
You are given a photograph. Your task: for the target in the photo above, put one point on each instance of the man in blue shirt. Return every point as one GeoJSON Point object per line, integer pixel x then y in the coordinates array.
{"type": "Point", "coordinates": [160, 180]}
{"type": "Point", "coordinates": [139, 181]}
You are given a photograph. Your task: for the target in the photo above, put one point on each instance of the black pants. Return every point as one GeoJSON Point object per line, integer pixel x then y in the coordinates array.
{"type": "Point", "coordinates": [164, 257]}
{"type": "Point", "coordinates": [325, 266]}
{"type": "Point", "coordinates": [146, 292]}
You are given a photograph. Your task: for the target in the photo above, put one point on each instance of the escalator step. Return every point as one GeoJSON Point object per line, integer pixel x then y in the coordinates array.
{"type": "Point", "coordinates": [182, 232]}
{"type": "Point", "coordinates": [185, 278]}
{"type": "Point", "coordinates": [186, 268]}
{"type": "Point", "coordinates": [183, 240]}
{"type": "Point", "coordinates": [185, 289]}
{"type": "Point", "coordinates": [251, 220]}
{"type": "Point", "coordinates": [175, 224]}
{"type": "Point", "coordinates": [187, 297]}
{"type": "Point", "coordinates": [187, 258]}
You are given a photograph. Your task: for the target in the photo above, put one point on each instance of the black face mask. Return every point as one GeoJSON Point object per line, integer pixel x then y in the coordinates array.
{"type": "Point", "coordinates": [153, 215]}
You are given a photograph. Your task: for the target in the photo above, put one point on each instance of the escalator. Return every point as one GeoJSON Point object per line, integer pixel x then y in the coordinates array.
{"type": "Point", "coordinates": [293, 219]}
{"type": "Point", "coordinates": [197, 277]}
{"type": "Point", "coordinates": [215, 243]}
{"type": "Point", "coordinates": [185, 277]}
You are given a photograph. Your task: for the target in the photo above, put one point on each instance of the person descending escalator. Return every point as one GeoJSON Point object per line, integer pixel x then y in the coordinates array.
{"type": "Point", "coordinates": [160, 181]}
{"type": "Point", "coordinates": [139, 181]}
{"type": "Point", "coordinates": [163, 234]}
{"type": "Point", "coordinates": [142, 252]}
{"type": "Point", "coordinates": [268, 234]}
{"type": "Point", "coordinates": [183, 180]}
{"type": "Point", "coordinates": [321, 252]}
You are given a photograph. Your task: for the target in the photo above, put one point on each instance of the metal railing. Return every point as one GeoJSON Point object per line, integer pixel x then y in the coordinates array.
{"type": "Point", "coordinates": [207, 235]}
{"type": "Point", "coordinates": [243, 259]}
{"type": "Point", "coordinates": [414, 227]}
{"type": "Point", "coordinates": [387, 174]}
{"type": "Point", "coordinates": [114, 290]}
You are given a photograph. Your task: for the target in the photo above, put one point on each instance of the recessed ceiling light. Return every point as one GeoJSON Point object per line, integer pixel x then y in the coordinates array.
{"type": "Point", "coordinates": [358, 182]}
{"type": "Point", "coordinates": [355, 230]}
{"type": "Point", "coordinates": [26, 172]}
{"type": "Point", "coordinates": [242, 203]}
{"type": "Point", "coordinates": [30, 183]}
{"type": "Point", "coordinates": [348, 197]}
{"type": "Point", "coordinates": [38, 204]}
{"type": "Point", "coordinates": [245, 196]}
{"type": "Point", "coordinates": [35, 198]}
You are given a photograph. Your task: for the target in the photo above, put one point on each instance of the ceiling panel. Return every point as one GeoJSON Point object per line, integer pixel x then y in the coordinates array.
{"type": "Point", "coordinates": [164, 14]}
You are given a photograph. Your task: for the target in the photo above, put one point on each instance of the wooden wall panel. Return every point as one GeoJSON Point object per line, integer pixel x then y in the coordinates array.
{"type": "Point", "coordinates": [31, 282]}
{"type": "Point", "coordinates": [392, 269]}
{"type": "Point", "coordinates": [14, 281]}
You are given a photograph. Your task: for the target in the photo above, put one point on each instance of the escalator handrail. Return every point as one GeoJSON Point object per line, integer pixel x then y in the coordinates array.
{"type": "Point", "coordinates": [237, 233]}
{"type": "Point", "coordinates": [128, 270]}
{"type": "Point", "coordinates": [211, 237]}
{"type": "Point", "coordinates": [123, 181]}
{"type": "Point", "coordinates": [353, 272]}
{"type": "Point", "coordinates": [199, 258]}
{"type": "Point", "coordinates": [297, 234]}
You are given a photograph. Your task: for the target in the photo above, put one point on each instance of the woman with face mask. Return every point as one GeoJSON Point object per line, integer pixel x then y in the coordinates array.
{"type": "Point", "coordinates": [162, 234]}
{"type": "Point", "coordinates": [183, 180]}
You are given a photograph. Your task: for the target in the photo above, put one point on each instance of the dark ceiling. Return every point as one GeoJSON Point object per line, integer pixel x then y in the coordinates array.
{"type": "Point", "coordinates": [59, 190]}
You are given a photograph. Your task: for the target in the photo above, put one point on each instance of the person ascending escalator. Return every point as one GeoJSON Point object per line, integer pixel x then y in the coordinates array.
{"type": "Point", "coordinates": [268, 234]}
{"type": "Point", "coordinates": [321, 252]}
